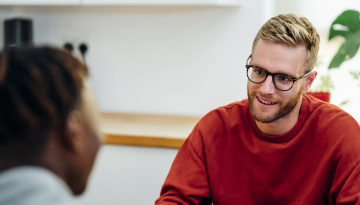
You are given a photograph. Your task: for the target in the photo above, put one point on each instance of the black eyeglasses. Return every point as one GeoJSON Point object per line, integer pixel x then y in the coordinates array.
{"type": "Point", "coordinates": [282, 81]}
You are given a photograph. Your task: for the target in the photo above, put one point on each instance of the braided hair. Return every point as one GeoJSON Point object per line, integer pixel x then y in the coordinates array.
{"type": "Point", "coordinates": [39, 86]}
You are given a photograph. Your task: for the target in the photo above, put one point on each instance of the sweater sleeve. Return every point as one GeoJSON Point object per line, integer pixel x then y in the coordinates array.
{"type": "Point", "coordinates": [350, 190]}
{"type": "Point", "coordinates": [345, 185]}
{"type": "Point", "coordinates": [187, 181]}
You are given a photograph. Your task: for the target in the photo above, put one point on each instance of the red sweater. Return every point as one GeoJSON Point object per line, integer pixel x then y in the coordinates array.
{"type": "Point", "coordinates": [227, 160]}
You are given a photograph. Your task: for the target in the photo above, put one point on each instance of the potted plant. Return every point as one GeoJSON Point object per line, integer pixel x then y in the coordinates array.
{"type": "Point", "coordinates": [346, 25]}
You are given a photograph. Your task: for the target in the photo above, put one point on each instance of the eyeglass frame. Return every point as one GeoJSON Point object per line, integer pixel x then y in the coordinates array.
{"type": "Point", "coordinates": [294, 79]}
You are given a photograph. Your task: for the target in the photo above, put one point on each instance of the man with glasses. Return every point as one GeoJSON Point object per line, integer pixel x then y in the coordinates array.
{"type": "Point", "coordinates": [279, 146]}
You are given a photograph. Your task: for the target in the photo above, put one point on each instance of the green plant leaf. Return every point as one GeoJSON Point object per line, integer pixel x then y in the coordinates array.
{"type": "Point", "coordinates": [346, 25]}
{"type": "Point", "coordinates": [345, 102]}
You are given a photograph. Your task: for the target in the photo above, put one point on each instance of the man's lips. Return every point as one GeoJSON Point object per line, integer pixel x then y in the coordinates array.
{"type": "Point", "coordinates": [265, 101]}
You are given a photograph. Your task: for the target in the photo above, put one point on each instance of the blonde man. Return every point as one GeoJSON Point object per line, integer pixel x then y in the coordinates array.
{"type": "Point", "coordinates": [279, 146]}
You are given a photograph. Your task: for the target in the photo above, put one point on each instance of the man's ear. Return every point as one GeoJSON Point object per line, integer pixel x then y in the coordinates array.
{"type": "Point", "coordinates": [308, 81]}
{"type": "Point", "coordinates": [73, 131]}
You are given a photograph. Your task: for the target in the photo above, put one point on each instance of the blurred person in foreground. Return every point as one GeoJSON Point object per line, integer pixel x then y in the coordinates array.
{"type": "Point", "coordinates": [48, 136]}
{"type": "Point", "coordinates": [279, 146]}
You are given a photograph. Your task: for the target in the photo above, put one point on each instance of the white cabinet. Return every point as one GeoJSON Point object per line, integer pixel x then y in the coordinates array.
{"type": "Point", "coordinates": [164, 2]}
{"type": "Point", "coordinates": [39, 2]}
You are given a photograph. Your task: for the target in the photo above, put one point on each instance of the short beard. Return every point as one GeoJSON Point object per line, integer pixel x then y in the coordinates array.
{"type": "Point", "coordinates": [283, 111]}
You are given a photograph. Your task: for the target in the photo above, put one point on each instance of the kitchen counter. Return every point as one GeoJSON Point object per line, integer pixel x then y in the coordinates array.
{"type": "Point", "coordinates": [145, 129]}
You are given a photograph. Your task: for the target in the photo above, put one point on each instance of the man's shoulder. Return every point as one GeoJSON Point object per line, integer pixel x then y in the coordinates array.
{"type": "Point", "coordinates": [226, 116]}
{"type": "Point", "coordinates": [231, 110]}
{"type": "Point", "coordinates": [327, 113]}
{"type": "Point", "coordinates": [234, 108]}
{"type": "Point", "coordinates": [333, 124]}
{"type": "Point", "coordinates": [243, 104]}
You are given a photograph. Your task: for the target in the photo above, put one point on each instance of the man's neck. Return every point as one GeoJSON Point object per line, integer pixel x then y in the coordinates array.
{"type": "Point", "coordinates": [281, 126]}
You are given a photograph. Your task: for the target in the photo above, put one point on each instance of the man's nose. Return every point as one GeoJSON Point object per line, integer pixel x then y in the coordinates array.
{"type": "Point", "coordinates": [268, 87]}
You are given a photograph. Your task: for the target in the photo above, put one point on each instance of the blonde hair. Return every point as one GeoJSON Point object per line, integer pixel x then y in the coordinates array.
{"type": "Point", "coordinates": [294, 31]}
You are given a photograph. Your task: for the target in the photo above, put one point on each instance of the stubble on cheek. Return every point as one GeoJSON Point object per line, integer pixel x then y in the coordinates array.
{"type": "Point", "coordinates": [281, 110]}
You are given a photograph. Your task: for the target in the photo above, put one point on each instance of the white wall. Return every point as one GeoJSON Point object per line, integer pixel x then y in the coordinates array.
{"type": "Point", "coordinates": [169, 60]}
{"type": "Point", "coordinates": [320, 12]}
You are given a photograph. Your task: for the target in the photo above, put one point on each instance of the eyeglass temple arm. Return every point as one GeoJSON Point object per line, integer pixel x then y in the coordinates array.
{"type": "Point", "coordinates": [303, 76]}
{"type": "Point", "coordinates": [248, 59]}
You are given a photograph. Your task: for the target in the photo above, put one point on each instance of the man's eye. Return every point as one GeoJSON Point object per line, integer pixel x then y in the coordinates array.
{"type": "Point", "coordinates": [258, 71]}
{"type": "Point", "coordinates": [283, 78]}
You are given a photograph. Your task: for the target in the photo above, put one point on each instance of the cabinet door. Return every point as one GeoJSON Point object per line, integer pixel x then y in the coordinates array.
{"type": "Point", "coordinates": [39, 2]}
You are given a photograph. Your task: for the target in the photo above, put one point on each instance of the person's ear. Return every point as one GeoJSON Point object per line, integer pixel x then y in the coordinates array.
{"type": "Point", "coordinates": [308, 81]}
{"type": "Point", "coordinates": [73, 131]}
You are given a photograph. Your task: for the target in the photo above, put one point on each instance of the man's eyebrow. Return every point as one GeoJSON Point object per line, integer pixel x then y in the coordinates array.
{"type": "Point", "coordinates": [280, 73]}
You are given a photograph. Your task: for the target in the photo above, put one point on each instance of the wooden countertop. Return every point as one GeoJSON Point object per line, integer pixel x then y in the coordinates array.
{"type": "Point", "coordinates": [146, 130]}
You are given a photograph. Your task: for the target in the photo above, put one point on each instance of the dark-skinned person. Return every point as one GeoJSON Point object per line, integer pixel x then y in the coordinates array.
{"type": "Point", "coordinates": [48, 132]}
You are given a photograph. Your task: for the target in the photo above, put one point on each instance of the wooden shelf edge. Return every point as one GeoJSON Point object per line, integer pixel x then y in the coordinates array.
{"type": "Point", "coordinates": [143, 141]}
